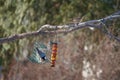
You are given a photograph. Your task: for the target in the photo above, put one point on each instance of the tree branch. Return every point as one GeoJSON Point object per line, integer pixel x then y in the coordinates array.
{"type": "Point", "coordinates": [50, 29]}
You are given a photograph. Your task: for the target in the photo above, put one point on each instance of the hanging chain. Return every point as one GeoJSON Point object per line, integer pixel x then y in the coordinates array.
{"type": "Point", "coordinates": [56, 37]}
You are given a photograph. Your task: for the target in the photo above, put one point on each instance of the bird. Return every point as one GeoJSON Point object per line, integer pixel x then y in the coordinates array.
{"type": "Point", "coordinates": [75, 21]}
{"type": "Point", "coordinates": [41, 54]}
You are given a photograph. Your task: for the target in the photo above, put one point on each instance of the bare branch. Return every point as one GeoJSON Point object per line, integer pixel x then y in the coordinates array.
{"type": "Point", "coordinates": [49, 29]}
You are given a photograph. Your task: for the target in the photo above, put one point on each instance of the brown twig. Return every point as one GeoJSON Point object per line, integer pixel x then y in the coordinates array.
{"type": "Point", "coordinates": [61, 29]}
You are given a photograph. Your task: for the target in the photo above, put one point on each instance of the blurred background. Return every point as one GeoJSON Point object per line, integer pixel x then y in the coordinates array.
{"type": "Point", "coordinates": [85, 54]}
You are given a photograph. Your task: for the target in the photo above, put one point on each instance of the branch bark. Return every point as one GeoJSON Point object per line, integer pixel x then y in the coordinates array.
{"type": "Point", "coordinates": [50, 29]}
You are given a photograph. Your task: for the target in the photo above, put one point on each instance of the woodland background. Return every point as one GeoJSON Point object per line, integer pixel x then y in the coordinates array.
{"type": "Point", "coordinates": [84, 54]}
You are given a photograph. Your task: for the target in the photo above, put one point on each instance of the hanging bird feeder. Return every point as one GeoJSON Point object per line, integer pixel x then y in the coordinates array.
{"type": "Point", "coordinates": [41, 53]}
